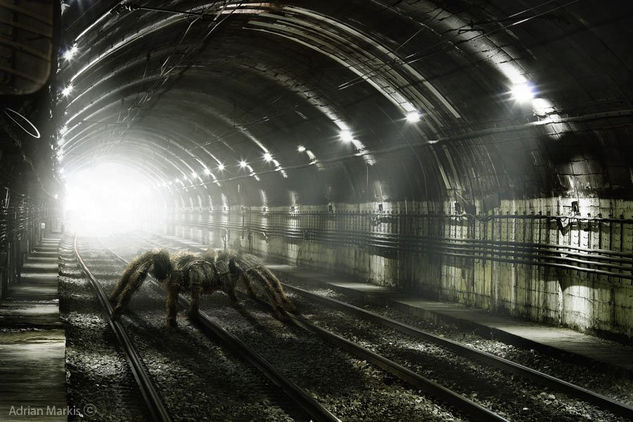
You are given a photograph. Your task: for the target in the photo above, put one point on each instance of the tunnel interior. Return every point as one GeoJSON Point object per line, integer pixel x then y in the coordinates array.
{"type": "Point", "coordinates": [465, 151]}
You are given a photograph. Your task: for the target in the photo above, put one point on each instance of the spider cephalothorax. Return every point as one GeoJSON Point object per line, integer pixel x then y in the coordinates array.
{"type": "Point", "coordinates": [199, 273]}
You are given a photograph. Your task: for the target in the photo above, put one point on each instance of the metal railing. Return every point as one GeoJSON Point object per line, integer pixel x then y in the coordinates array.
{"type": "Point", "coordinates": [597, 245]}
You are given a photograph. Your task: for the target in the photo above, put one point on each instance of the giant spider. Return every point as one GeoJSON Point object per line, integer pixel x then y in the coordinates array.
{"type": "Point", "coordinates": [201, 273]}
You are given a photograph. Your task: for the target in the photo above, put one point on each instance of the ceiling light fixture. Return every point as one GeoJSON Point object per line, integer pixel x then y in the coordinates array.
{"type": "Point", "coordinates": [66, 91]}
{"type": "Point", "coordinates": [70, 53]}
{"type": "Point", "coordinates": [346, 136]}
{"type": "Point", "coordinates": [522, 92]}
{"type": "Point", "coordinates": [413, 116]}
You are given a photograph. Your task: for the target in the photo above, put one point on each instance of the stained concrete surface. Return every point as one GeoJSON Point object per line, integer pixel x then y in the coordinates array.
{"type": "Point", "coordinates": [33, 343]}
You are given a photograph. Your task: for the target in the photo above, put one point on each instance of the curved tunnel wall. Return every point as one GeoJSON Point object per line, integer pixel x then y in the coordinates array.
{"type": "Point", "coordinates": [516, 206]}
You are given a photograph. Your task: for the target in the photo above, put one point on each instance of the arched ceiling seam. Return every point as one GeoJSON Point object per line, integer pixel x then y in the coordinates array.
{"type": "Point", "coordinates": [388, 76]}
{"type": "Point", "coordinates": [294, 86]}
{"type": "Point", "coordinates": [244, 131]}
{"type": "Point", "coordinates": [388, 89]}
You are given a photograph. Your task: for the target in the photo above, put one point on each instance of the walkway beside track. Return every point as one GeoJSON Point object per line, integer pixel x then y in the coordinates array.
{"type": "Point", "coordinates": [585, 348]}
{"type": "Point", "coordinates": [33, 342]}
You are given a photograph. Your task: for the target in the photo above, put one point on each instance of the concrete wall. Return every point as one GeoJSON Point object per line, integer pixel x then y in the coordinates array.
{"type": "Point", "coordinates": [513, 260]}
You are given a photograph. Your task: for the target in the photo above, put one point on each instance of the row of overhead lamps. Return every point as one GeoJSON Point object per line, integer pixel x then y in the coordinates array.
{"type": "Point", "coordinates": [347, 136]}
{"type": "Point", "coordinates": [71, 52]}
{"type": "Point", "coordinates": [221, 167]}
{"type": "Point", "coordinates": [68, 55]}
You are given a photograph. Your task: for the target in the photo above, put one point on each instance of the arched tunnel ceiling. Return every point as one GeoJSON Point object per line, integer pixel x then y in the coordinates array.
{"type": "Point", "coordinates": [312, 97]}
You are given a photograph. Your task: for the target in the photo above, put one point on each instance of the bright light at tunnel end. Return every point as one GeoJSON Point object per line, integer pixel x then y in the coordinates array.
{"type": "Point", "coordinates": [111, 198]}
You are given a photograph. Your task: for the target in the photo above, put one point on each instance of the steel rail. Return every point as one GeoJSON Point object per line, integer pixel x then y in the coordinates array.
{"type": "Point", "coordinates": [304, 400]}
{"type": "Point", "coordinates": [150, 394]}
{"type": "Point", "coordinates": [481, 356]}
{"type": "Point", "coordinates": [444, 394]}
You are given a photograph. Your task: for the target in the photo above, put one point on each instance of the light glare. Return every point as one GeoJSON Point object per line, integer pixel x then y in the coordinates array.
{"type": "Point", "coordinates": [346, 136]}
{"type": "Point", "coordinates": [67, 91]}
{"type": "Point", "coordinates": [413, 116]}
{"type": "Point", "coordinates": [70, 53]}
{"type": "Point", "coordinates": [267, 157]}
{"type": "Point", "coordinates": [243, 164]}
{"type": "Point", "coordinates": [301, 148]}
{"type": "Point", "coordinates": [522, 92]}
{"type": "Point", "coordinates": [220, 166]}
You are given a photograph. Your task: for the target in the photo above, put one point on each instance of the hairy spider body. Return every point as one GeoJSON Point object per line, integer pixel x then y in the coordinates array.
{"type": "Point", "coordinates": [200, 273]}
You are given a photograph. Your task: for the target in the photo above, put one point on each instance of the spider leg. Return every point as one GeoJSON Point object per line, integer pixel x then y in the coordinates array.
{"type": "Point", "coordinates": [118, 289]}
{"type": "Point", "coordinates": [275, 301]}
{"type": "Point", "coordinates": [247, 282]}
{"type": "Point", "coordinates": [128, 286]}
{"type": "Point", "coordinates": [229, 287]}
{"type": "Point", "coordinates": [276, 284]}
{"type": "Point", "coordinates": [196, 278]}
{"type": "Point", "coordinates": [173, 288]}
{"type": "Point", "coordinates": [208, 279]}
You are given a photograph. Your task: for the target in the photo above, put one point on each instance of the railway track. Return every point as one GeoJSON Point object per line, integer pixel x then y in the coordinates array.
{"type": "Point", "coordinates": [300, 398]}
{"type": "Point", "coordinates": [512, 368]}
{"type": "Point", "coordinates": [149, 392]}
{"type": "Point", "coordinates": [93, 357]}
{"type": "Point", "coordinates": [489, 359]}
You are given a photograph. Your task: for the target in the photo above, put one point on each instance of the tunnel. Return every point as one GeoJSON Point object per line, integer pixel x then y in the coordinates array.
{"type": "Point", "coordinates": [363, 210]}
